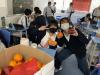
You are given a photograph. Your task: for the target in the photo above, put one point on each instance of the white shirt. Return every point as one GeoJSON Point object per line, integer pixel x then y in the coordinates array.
{"type": "Point", "coordinates": [67, 37]}
{"type": "Point", "coordinates": [22, 21]}
{"type": "Point", "coordinates": [47, 11]}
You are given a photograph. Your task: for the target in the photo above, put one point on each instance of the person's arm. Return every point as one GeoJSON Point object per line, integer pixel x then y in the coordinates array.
{"type": "Point", "coordinates": [44, 12]}
{"type": "Point", "coordinates": [82, 37]}
{"type": "Point", "coordinates": [60, 41]}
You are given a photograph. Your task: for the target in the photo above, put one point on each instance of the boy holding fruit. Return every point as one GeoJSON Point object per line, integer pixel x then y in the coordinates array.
{"type": "Point", "coordinates": [74, 42]}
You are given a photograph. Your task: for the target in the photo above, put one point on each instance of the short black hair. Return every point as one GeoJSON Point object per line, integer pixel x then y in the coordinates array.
{"type": "Point", "coordinates": [49, 2]}
{"type": "Point", "coordinates": [36, 8]}
{"type": "Point", "coordinates": [53, 22]}
{"type": "Point", "coordinates": [65, 18]}
{"type": "Point", "coordinates": [88, 15]}
{"type": "Point", "coordinates": [28, 11]}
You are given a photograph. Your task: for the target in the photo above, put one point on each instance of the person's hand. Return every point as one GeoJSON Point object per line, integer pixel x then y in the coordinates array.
{"type": "Point", "coordinates": [59, 35]}
{"type": "Point", "coordinates": [42, 28]}
{"type": "Point", "coordinates": [74, 32]}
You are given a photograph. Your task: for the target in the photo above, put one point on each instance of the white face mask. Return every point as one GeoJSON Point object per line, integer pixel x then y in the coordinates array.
{"type": "Point", "coordinates": [65, 26]}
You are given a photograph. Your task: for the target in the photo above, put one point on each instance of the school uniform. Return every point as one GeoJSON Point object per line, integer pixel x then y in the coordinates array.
{"type": "Point", "coordinates": [73, 45]}
{"type": "Point", "coordinates": [25, 21]}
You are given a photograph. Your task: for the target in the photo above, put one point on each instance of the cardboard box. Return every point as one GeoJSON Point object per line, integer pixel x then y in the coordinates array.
{"type": "Point", "coordinates": [27, 52]}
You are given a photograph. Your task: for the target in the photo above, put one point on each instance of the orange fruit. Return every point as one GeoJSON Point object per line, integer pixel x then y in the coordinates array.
{"type": "Point", "coordinates": [60, 35]}
{"type": "Point", "coordinates": [12, 63]}
{"type": "Point", "coordinates": [18, 57]}
{"type": "Point", "coordinates": [39, 64]}
{"type": "Point", "coordinates": [52, 43]}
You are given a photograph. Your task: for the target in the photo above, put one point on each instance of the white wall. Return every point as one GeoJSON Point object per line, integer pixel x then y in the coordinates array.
{"type": "Point", "coordinates": [3, 8]}
{"type": "Point", "coordinates": [94, 4]}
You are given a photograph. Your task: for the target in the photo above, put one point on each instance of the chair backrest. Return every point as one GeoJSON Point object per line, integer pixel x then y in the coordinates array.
{"type": "Point", "coordinates": [5, 37]}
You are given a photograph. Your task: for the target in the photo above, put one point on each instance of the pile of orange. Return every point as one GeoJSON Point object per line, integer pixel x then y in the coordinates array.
{"type": "Point", "coordinates": [52, 43]}
{"type": "Point", "coordinates": [17, 59]}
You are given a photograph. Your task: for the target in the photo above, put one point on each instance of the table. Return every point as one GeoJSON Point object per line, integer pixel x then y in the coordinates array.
{"type": "Point", "coordinates": [18, 32]}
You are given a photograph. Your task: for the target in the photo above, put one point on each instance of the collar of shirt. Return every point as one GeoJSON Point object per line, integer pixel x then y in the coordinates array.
{"type": "Point", "coordinates": [67, 36]}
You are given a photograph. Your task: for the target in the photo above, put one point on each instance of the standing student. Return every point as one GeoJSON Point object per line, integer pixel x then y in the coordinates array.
{"type": "Point", "coordinates": [48, 12]}
{"type": "Point", "coordinates": [54, 8]}
{"type": "Point", "coordinates": [70, 10]}
{"type": "Point", "coordinates": [74, 42]}
{"type": "Point", "coordinates": [26, 18]}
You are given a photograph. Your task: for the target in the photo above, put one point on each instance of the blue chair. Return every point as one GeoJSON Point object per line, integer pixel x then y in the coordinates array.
{"type": "Point", "coordinates": [5, 37]}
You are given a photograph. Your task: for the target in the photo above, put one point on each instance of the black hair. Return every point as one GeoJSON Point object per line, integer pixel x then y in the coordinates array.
{"type": "Point", "coordinates": [88, 15]}
{"type": "Point", "coordinates": [49, 2]}
{"type": "Point", "coordinates": [53, 22]}
{"type": "Point", "coordinates": [54, 2]}
{"type": "Point", "coordinates": [28, 11]}
{"type": "Point", "coordinates": [71, 3]}
{"type": "Point", "coordinates": [37, 10]}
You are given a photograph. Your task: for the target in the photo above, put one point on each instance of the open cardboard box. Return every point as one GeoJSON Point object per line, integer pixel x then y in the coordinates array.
{"type": "Point", "coordinates": [28, 52]}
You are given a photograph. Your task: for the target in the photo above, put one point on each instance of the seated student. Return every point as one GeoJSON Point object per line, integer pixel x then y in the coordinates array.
{"type": "Point", "coordinates": [37, 12]}
{"type": "Point", "coordinates": [26, 18]}
{"type": "Point", "coordinates": [87, 17]}
{"type": "Point", "coordinates": [37, 29]}
{"type": "Point", "coordinates": [74, 42]}
{"type": "Point", "coordinates": [48, 40]}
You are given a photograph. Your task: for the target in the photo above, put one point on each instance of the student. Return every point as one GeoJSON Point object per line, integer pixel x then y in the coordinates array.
{"type": "Point", "coordinates": [86, 18]}
{"type": "Point", "coordinates": [54, 8]}
{"type": "Point", "coordinates": [74, 42]}
{"type": "Point", "coordinates": [48, 12]}
{"type": "Point", "coordinates": [37, 29]}
{"type": "Point", "coordinates": [70, 10]}
{"type": "Point", "coordinates": [48, 40]}
{"type": "Point", "coordinates": [26, 18]}
{"type": "Point", "coordinates": [37, 12]}
{"type": "Point", "coordinates": [96, 13]}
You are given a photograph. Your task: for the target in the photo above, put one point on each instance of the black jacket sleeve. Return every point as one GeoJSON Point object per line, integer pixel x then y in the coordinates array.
{"type": "Point", "coordinates": [82, 37]}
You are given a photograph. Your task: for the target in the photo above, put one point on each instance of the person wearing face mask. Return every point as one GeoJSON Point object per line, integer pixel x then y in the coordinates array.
{"type": "Point", "coordinates": [48, 40]}
{"type": "Point", "coordinates": [73, 41]}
